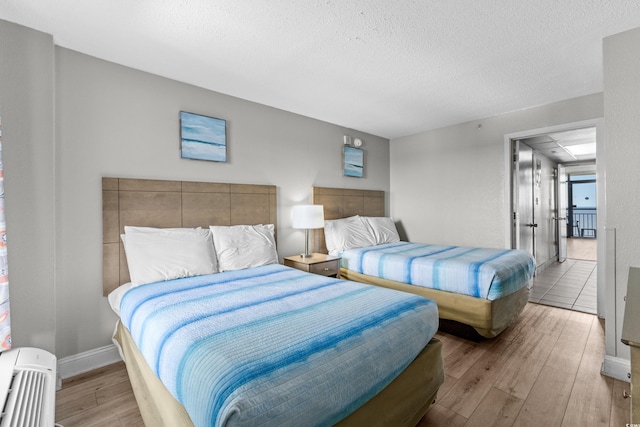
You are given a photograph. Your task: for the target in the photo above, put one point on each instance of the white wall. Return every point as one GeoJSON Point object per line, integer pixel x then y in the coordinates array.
{"type": "Point", "coordinates": [622, 113]}
{"type": "Point", "coordinates": [119, 122]}
{"type": "Point", "coordinates": [448, 184]}
{"type": "Point", "coordinates": [26, 106]}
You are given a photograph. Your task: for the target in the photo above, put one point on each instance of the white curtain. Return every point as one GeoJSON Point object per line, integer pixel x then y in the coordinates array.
{"type": "Point", "coordinates": [5, 320]}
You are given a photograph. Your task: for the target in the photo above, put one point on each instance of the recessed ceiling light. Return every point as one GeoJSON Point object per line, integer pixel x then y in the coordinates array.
{"type": "Point", "coordinates": [582, 149]}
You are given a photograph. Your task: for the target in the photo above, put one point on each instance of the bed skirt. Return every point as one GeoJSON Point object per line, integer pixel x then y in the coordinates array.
{"type": "Point", "coordinates": [488, 318]}
{"type": "Point", "coordinates": [402, 403]}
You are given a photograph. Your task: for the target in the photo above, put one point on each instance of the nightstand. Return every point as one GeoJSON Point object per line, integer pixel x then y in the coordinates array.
{"type": "Point", "coordinates": [325, 265]}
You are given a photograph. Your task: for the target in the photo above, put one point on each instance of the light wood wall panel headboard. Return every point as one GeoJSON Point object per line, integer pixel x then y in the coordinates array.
{"type": "Point", "coordinates": [158, 203]}
{"type": "Point", "coordinates": [342, 203]}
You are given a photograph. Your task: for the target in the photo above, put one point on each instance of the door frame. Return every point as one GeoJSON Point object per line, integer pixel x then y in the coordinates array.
{"type": "Point", "coordinates": [604, 304]}
{"type": "Point", "coordinates": [560, 176]}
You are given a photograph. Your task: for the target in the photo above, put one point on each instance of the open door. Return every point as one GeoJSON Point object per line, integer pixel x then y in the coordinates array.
{"type": "Point", "coordinates": [561, 209]}
{"type": "Point", "coordinates": [523, 195]}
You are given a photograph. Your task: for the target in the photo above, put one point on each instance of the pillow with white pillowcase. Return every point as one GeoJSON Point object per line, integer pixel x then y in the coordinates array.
{"type": "Point", "coordinates": [115, 296]}
{"type": "Point", "coordinates": [244, 246]}
{"type": "Point", "coordinates": [383, 229]}
{"type": "Point", "coordinates": [158, 254]}
{"type": "Point", "coordinates": [347, 233]}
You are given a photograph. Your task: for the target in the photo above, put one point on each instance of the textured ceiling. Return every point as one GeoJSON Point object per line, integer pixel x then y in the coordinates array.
{"type": "Point", "coordinates": [387, 67]}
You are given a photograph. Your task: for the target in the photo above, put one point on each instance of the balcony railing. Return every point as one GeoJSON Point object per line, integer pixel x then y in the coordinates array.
{"type": "Point", "coordinates": [582, 222]}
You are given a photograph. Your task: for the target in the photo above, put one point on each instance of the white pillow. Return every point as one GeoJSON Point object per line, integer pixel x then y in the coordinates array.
{"type": "Point", "coordinates": [243, 246]}
{"type": "Point", "coordinates": [347, 233]}
{"type": "Point", "coordinates": [115, 296]}
{"type": "Point", "coordinates": [152, 230]}
{"type": "Point", "coordinates": [157, 254]}
{"type": "Point", "coordinates": [383, 229]}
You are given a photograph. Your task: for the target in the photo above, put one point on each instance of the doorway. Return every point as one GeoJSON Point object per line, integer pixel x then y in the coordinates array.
{"type": "Point", "coordinates": [555, 215]}
{"type": "Point", "coordinates": [533, 193]}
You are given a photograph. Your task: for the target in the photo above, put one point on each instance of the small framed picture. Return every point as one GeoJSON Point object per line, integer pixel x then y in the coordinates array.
{"type": "Point", "coordinates": [202, 137]}
{"type": "Point", "coordinates": [353, 159]}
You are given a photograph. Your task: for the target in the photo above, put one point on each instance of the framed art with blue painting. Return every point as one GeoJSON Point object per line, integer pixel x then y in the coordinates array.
{"type": "Point", "coordinates": [202, 137]}
{"type": "Point", "coordinates": [353, 161]}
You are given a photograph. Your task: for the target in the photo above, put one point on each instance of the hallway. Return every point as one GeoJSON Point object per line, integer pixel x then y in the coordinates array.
{"type": "Point", "coordinates": [571, 284]}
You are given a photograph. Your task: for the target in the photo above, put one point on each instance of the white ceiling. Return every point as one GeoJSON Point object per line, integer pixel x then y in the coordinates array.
{"type": "Point", "coordinates": [387, 67]}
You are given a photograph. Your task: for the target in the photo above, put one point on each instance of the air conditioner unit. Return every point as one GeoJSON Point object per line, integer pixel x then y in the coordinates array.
{"type": "Point", "coordinates": [27, 388]}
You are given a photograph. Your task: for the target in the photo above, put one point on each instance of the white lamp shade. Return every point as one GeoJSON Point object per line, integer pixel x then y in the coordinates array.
{"type": "Point", "coordinates": [308, 216]}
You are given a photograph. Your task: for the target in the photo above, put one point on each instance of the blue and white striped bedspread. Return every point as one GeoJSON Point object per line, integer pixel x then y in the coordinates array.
{"type": "Point", "coordinates": [275, 346]}
{"type": "Point", "coordinates": [478, 272]}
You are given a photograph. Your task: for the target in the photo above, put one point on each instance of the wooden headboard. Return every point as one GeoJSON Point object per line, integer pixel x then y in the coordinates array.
{"type": "Point", "coordinates": [343, 202]}
{"type": "Point", "coordinates": [157, 203]}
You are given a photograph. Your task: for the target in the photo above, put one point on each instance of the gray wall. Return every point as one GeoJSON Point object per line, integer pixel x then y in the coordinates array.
{"type": "Point", "coordinates": [69, 119]}
{"type": "Point", "coordinates": [448, 185]}
{"type": "Point", "coordinates": [622, 110]}
{"type": "Point", "coordinates": [116, 121]}
{"type": "Point", "coordinates": [26, 106]}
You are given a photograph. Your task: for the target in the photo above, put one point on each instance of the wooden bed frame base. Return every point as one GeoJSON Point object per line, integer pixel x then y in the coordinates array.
{"type": "Point", "coordinates": [488, 318]}
{"type": "Point", "coordinates": [402, 403]}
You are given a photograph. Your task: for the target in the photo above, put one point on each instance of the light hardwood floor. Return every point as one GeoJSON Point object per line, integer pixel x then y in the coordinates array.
{"type": "Point", "coordinates": [98, 398]}
{"type": "Point", "coordinates": [542, 371]}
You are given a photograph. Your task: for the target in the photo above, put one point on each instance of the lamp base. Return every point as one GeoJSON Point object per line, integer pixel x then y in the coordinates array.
{"type": "Point", "coordinates": [307, 252]}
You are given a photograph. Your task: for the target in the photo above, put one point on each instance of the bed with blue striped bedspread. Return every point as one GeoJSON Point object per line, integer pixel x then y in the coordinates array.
{"type": "Point", "coordinates": [478, 272]}
{"type": "Point", "coordinates": [273, 345]}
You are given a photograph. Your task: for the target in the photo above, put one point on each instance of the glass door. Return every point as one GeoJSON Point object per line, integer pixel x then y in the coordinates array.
{"type": "Point", "coordinates": [582, 218]}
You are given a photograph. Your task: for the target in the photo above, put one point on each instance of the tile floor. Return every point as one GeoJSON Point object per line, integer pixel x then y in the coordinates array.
{"type": "Point", "coordinates": [570, 284]}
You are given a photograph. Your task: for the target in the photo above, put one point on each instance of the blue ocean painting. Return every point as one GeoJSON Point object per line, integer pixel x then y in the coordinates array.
{"type": "Point", "coordinates": [203, 138]}
{"type": "Point", "coordinates": [353, 162]}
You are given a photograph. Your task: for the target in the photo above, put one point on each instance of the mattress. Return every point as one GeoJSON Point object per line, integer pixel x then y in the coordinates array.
{"type": "Point", "coordinates": [477, 272]}
{"type": "Point", "coordinates": [275, 345]}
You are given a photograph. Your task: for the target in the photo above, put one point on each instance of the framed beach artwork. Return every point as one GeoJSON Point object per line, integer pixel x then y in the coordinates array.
{"type": "Point", "coordinates": [202, 137]}
{"type": "Point", "coordinates": [353, 159]}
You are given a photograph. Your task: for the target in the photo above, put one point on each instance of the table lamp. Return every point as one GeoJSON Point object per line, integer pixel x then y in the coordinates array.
{"type": "Point", "coordinates": [308, 217]}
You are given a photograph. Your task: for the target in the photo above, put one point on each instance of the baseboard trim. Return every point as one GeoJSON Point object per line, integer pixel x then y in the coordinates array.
{"type": "Point", "coordinates": [617, 368]}
{"type": "Point", "coordinates": [88, 361]}
{"type": "Point", "coordinates": [80, 363]}
{"type": "Point", "coordinates": [545, 265]}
